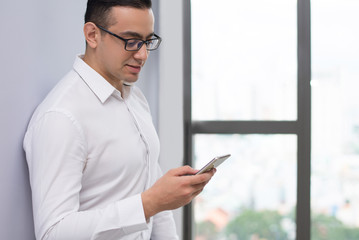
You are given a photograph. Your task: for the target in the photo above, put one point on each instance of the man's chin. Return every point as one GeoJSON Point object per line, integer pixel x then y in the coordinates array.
{"type": "Point", "coordinates": [129, 83]}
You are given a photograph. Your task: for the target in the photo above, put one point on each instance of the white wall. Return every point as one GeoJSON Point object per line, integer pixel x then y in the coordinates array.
{"type": "Point", "coordinates": [37, 47]}
{"type": "Point", "coordinates": [171, 89]}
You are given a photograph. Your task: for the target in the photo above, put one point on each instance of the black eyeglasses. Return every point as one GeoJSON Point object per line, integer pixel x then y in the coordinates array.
{"type": "Point", "coordinates": [136, 44]}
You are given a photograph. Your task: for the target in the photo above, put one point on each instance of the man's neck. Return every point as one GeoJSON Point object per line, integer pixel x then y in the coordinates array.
{"type": "Point", "coordinates": [116, 84]}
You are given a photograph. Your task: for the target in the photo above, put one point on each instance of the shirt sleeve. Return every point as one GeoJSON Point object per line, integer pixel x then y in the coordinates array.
{"type": "Point", "coordinates": [164, 227]}
{"type": "Point", "coordinates": [56, 152]}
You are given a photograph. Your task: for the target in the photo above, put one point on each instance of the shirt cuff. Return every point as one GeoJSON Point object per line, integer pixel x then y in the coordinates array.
{"type": "Point", "coordinates": [122, 218]}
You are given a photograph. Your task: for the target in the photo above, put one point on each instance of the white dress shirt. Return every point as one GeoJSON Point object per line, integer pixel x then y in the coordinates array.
{"type": "Point", "coordinates": [91, 153]}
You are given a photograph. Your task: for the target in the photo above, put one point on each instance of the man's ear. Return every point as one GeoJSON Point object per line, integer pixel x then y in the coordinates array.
{"type": "Point", "coordinates": [92, 34]}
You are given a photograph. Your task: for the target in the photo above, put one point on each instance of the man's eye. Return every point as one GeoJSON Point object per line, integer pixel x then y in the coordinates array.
{"type": "Point", "coordinates": [150, 43]}
{"type": "Point", "coordinates": [132, 43]}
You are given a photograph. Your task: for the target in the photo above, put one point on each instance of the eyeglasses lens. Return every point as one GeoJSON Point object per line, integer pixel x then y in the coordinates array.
{"type": "Point", "coordinates": [136, 44]}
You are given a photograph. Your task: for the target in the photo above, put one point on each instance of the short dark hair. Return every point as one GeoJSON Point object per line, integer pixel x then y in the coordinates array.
{"type": "Point", "coordinates": [97, 11]}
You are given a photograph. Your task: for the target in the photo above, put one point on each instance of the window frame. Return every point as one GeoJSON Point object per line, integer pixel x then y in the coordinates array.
{"type": "Point", "coordinates": [300, 127]}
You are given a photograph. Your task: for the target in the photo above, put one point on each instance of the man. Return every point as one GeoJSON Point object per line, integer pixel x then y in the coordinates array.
{"type": "Point", "coordinates": [91, 148]}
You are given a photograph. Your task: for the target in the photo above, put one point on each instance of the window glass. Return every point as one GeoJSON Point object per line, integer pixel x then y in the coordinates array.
{"type": "Point", "coordinates": [244, 59]}
{"type": "Point", "coordinates": [335, 119]}
{"type": "Point", "coordinates": [253, 193]}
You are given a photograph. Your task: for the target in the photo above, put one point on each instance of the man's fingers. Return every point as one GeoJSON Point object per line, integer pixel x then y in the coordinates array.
{"type": "Point", "coordinates": [183, 171]}
{"type": "Point", "coordinates": [203, 177]}
{"type": "Point", "coordinates": [196, 193]}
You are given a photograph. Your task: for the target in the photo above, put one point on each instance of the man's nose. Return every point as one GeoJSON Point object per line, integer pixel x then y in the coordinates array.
{"type": "Point", "coordinates": [142, 53]}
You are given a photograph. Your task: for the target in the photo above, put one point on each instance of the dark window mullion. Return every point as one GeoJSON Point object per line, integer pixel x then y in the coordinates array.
{"type": "Point", "coordinates": [187, 110]}
{"type": "Point", "coordinates": [245, 127]}
{"type": "Point", "coordinates": [303, 218]}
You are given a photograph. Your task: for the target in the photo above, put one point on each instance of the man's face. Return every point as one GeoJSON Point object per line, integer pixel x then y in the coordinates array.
{"type": "Point", "coordinates": [113, 61]}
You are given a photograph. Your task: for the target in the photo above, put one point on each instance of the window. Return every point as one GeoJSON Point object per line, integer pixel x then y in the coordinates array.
{"type": "Point", "coordinates": [244, 60]}
{"type": "Point", "coordinates": [274, 83]}
{"type": "Point", "coordinates": [244, 97]}
{"type": "Point", "coordinates": [255, 189]}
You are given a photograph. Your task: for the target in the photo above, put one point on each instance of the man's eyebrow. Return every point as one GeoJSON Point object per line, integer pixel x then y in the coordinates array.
{"type": "Point", "coordinates": [136, 35]}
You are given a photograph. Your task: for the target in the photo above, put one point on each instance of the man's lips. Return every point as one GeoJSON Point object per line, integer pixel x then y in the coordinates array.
{"type": "Point", "coordinates": [134, 68]}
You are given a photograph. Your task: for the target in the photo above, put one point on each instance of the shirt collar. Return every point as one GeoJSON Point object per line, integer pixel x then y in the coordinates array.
{"type": "Point", "coordinates": [98, 85]}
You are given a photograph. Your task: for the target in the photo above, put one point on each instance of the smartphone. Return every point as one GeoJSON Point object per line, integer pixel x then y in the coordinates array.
{"type": "Point", "coordinates": [215, 162]}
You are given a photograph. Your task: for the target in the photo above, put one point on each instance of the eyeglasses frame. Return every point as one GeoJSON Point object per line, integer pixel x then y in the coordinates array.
{"type": "Point", "coordinates": [126, 40]}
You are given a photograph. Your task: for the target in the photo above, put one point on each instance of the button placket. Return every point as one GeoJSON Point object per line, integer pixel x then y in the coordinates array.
{"type": "Point", "coordinates": [144, 140]}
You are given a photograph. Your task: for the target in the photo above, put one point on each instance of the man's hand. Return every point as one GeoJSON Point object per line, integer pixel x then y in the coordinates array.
{"type": "Point", "coordinates": [174, 189]}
